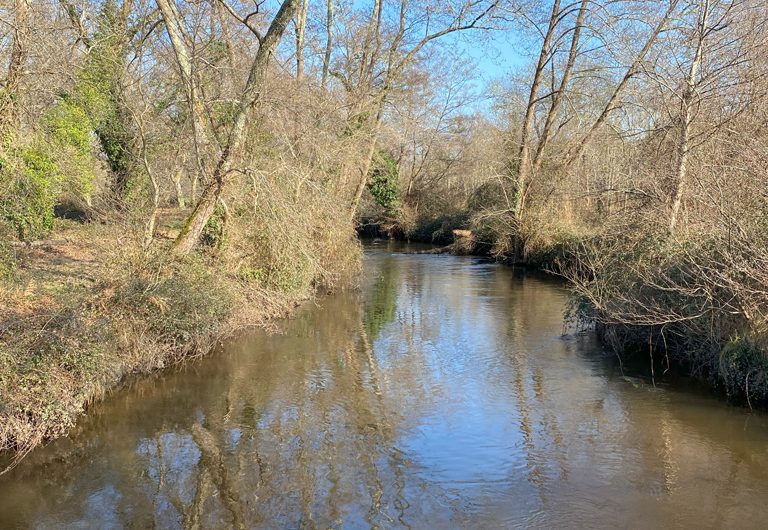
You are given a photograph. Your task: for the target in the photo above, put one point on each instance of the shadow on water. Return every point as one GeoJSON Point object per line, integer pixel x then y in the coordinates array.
{"type": "Point", "coordinates": [442, 394]}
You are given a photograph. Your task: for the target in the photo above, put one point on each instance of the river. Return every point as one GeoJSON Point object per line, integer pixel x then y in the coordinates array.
{"type": "Point", "coordinates": [445, 393]}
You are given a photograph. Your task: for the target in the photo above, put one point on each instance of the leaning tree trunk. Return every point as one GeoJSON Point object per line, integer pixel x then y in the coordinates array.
{"type": "Point", "coordinates": [367, 162]}
{"type": "Point", "coordinates": [206, 205]}
{"type": "Point", "coordinates": [203, 211]}
{"type": "Point", "coordinates": [559, 96]}
{"type": "Point", "coordinates": [365, 168]}
{"type": "Point", "coordinates": [573, 155]}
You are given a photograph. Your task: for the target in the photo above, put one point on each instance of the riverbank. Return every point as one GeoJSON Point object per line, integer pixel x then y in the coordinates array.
{"type": "Point", "coordinates": [87, 308]}
{"type": "Point", "coordinates": [693, 304]}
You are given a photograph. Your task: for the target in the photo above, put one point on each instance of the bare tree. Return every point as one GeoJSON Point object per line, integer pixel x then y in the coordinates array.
{"type": "Point", "coordinates": [525, 165]}
{"type": "Point", "coordinates": [251, 93]}
{"type": "Point", "coordinates": [634, 68]}
{"type": "Point", "coordinates": [706, 68]}
{"type": "Point", "coordinates": [370, 79]}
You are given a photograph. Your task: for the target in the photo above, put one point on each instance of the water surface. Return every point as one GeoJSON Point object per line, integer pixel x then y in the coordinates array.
{"type": "Point", "coordinates": [442, 395]}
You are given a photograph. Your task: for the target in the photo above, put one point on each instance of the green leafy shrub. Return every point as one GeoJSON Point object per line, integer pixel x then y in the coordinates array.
{"type": "Point", "coordinates": [68, 132]}
{"type": "Point", "coordinates": [224, 113]}
{"type": "Point", "coordinates": [213, 232]}
{"type": "Point", "coordinates": [68, 124]}
{"type": "Point", "coordinates": [384, 182]}
{"type": "Point", "coordinates": [96, 102]}
{"type": "Point", "coordinates": [58, 161]}
{"type": "Point", "coordinates": [29, 194]}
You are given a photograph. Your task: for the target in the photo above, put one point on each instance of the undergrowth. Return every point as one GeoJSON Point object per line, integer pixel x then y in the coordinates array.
{"type": "Point", "coordinates": [701, 302]}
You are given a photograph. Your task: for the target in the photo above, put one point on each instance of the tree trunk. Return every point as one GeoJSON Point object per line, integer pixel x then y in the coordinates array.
{"type": "Point", "coordinates": [181, 42]}
{"type": "Point", "coordinates": [682, 163]}
{"type": "Point", "coordinates": [203, 211]}
{"type": "Point", "coordinates": [149, 227]}
{"type": "Point", "coordinates": [524, 168]}
{"type": "Point", "coordinates": [19, 49]}
{"type": "Point", "coordinates": [206, 205]}
{"type": "Point", "coordinates": [682, 168]}
{"type": "Point", "coordinates": [328, 43]}
{"type": "Point", "coordinates": [367, 161]}
{"type": "Point", "coordinates": [180, 199]}
{"type": "Point", "coordinates": [557, 97]}
{"type": "Point", "coordinates": [149, 230]}
{"type": "Point", "coordinates": [193, 180]}
{"type": "Point", "coordinates": [364, 170]}
{"type": "Point", "coordinates": [301, 23]}
{"type": "Point", "coordinates": [687, 102]}
{"type": "Point", "coordinates": [8, 111]}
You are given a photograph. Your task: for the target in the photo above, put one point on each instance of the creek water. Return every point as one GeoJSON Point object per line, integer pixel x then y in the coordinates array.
{"type": "Point", "coordinates": [442, 394]}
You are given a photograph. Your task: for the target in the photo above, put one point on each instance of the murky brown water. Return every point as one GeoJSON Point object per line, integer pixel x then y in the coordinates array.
{"type": "Point", "coordinates": [441, 396]}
